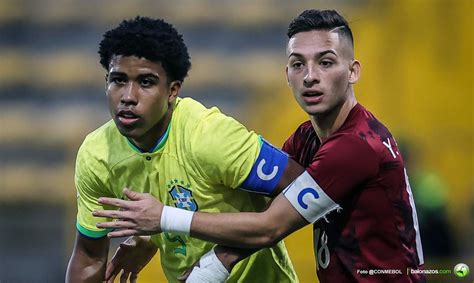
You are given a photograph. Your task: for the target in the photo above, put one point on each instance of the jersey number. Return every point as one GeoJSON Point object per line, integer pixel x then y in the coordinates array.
{"type": "Point", "coordinates": [322, 254]}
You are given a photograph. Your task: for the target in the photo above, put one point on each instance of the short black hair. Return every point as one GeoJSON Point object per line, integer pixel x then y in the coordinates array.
{"type": "Point", "coordinates": [320, 20]}
{"type": "Point", "coordinates": [152, 39]}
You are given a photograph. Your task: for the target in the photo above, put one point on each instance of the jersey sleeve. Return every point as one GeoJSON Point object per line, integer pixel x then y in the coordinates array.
{"type": "Point", "coordinates": [89, 188]}
{"type": "Point", "coordinates": [223, 150]}
{"type": "Point", "coordinates": [341, 165]}
{"type": "Point", "coordinates": [289, 146]}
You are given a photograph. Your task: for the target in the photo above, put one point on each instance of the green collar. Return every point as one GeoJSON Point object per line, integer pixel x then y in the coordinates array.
{"type": "Point", "coordinates": [159, 144]}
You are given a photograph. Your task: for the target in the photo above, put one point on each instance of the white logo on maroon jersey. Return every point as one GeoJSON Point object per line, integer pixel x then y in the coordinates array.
{"type": "Point", "coordinates": [389, 146]}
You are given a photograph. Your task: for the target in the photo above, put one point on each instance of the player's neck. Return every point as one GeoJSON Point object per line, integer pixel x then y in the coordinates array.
{"type": "Point", "coordinates": [149, 141]}
{"type": "Point", "coordinates": [328, 123]}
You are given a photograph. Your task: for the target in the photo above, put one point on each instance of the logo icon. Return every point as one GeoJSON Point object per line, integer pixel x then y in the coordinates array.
{"type": "Point", "coordinates": [461, 270]}
{"type": "Point", "coordinates": [182, 196]}
{"type": "Point", "coordinates": [303, 193]}
{"type": "Point", "coordinates": [262, 175]}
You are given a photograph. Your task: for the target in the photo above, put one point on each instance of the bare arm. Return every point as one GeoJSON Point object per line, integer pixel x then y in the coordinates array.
{"type": "Point", "coordinates": [249, 230]}
{"type": "Point", "coordinates": [88, 260]}
{"type": "Point", "coordinates": [141, 215]}
{"type": "Point", "coordinates": [244, 229]}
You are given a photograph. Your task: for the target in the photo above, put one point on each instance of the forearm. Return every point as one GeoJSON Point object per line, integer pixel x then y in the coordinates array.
{"type": "Point", "coordinates": [88, 260]}
{"type": "Point", "coordinates": [248, 230]}
{"type": "Point", "coordinates": [82, 268]}
{"type": "Point", "coordinates": [231, 229]}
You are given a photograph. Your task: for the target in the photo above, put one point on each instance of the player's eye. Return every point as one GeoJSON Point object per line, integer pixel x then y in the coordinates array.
{"type": "Point", "coordinates": [326, 63]}
{"type": "Point", "coordinates": [117, 80]}
{"type": "Point", "coordinates": [296, 65]}
{"type": "Point", "coordinates": [147, 82]}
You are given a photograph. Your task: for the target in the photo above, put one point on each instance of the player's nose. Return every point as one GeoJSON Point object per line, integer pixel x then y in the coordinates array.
{"type": "Point", "coordinates": [311, 76]}
{"type": "Point", "coordinates": [129, 95]}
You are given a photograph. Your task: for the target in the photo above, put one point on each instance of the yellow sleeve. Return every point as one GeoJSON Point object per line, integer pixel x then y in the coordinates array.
{"type": "Point", "coordinates": [90, 186]}
{"type": "Point", "coordinates": [224, 150]}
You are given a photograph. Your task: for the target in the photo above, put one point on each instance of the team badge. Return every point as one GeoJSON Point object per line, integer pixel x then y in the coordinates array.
{"type": "Point", "coordinates": [182, 195]}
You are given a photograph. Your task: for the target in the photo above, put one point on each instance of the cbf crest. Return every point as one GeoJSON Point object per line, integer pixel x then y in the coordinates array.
{"type": "Point", "coordinates": [182, 195]}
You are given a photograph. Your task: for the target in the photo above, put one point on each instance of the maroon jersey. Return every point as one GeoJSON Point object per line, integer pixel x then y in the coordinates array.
{"type": "Point", "coordinates": [375, 236]}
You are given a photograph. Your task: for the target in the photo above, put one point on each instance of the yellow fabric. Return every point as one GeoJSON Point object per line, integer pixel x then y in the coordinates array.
{"type": "Point", "coordinates": [205, 157]}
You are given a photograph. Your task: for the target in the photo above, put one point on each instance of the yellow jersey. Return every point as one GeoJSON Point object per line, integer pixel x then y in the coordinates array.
{"type": "Point", "coordinates": [197, 165]}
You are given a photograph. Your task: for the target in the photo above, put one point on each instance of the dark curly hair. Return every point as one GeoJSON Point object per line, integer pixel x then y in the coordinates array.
{"type": "Point", "coordinates": [320, 20]}
{"type": "Point", "coordinates": [154, 40]}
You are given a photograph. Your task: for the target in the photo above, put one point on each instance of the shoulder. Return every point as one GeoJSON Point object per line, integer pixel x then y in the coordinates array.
{"type": "Point", "coordinates": [215, 144]}
{"type": "Point", "coordinates": [344, 142]}
{"type": "Point", "coordinates": [97, 139]}
{"type": "Point", "coordinates": [189, 115]}
{"type": "Point", "coordinates": [188, 109]}
{"type": "Point", "coordinates": [303, 131]}
{"type": "Point", "coordinates": [102, 148]}
{"type": "Point", "coordinates": [200, 122]}
{"type": "Point", "coordinates": [373, 132]}
{"type": "Point", "coordinates": [346, 155]}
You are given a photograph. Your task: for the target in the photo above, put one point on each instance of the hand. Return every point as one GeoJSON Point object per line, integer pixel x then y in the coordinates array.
{"type": "Point", "coordinates": [209, 269]}
{"type": "Point", "coordinates": [131, 257]}
{"type": "Point", "coordinates": [141, 215]}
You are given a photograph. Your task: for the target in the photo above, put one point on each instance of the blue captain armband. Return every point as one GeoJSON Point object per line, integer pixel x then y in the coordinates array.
{"type": "Point", "coordinates": [266, 171]}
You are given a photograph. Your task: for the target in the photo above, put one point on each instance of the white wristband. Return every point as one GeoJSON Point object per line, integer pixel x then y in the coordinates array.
{"type": "Point", "coordinates": [176, 220]}
{"type": "Point", "coordinates": [210, 270]}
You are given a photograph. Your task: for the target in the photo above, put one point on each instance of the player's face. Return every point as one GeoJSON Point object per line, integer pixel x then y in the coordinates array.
{"type": "Point", "coordinates": [140, 98]}
{"type": "Point", "coordinates": [319, 70]}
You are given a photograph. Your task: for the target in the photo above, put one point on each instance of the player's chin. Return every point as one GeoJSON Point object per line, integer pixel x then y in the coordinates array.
{"type": "Point", "coordinates": [130, 132]}
{"type": "Point", "coordinates": [314, 109]}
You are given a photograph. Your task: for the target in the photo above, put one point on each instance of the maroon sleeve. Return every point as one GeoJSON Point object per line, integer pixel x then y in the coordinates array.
{"type": "Point", "coordinates": [342, 164]}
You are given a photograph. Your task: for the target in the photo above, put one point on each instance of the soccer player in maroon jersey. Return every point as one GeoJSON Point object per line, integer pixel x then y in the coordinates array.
{"type": "Point", "coordinates": [354, 189]}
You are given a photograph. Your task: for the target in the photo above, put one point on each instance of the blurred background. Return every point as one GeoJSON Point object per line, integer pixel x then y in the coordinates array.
{"type": "Point", "coordinates": [417, 78]}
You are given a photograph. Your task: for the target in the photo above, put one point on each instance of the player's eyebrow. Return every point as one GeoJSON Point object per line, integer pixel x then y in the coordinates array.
{"type": "Point", "coordinates": [148, 75]}
{"type": "Point", "coordinates": [140, 76]}
{"type": "Point", "coordinates": [117, 73]}
{"type": "Point", "coordinates": [317, 55]}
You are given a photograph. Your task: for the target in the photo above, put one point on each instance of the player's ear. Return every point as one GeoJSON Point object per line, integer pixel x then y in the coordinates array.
{"type": "Point", "coordinates": [173, 90]}
{"type": "Point", "coordinates": [286, 75]}
{"type": "Point", "coordinates": [354, 69]}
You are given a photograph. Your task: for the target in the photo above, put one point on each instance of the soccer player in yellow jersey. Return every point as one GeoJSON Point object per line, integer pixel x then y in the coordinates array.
{"type": "Point", "coordinates": [189, 157]}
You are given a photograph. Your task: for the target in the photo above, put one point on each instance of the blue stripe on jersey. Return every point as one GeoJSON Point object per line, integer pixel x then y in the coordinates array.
{"type": "Point", "coordinates": [266, 171]}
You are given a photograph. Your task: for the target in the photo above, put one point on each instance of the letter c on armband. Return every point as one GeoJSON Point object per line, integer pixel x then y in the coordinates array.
{"type": "Point", "coordinates": [303, 193]}
{"type": "Point", "coordinates": [313, 207]}
{"type": "Point", "coordinates": [262, 174]}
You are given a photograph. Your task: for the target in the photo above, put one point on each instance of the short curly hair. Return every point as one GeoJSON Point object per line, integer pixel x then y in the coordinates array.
{"type": "Point", "coordinates": [152, 39]}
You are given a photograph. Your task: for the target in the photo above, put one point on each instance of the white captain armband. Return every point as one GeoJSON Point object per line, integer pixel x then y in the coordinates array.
{"type": "Point", "coordinates": [266, 171]}
{"type": "Point", "coordinates": [309, 199]}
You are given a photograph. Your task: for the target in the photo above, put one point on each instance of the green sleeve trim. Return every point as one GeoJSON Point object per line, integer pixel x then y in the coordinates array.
{"type": "Point", "coordinates": [260, 140]}
{"type": "Point", "coordinates": [91, 234]}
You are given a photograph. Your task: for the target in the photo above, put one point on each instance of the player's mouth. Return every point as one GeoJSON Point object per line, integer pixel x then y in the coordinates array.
{"type": "Point", "coordinates": [127, 118]}
{"type": "Point", "coordinates": [312, 97]}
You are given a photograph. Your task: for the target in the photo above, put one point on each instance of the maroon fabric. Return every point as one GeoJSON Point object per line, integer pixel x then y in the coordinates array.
{"type": "Point", "coordinates": [375, 228]}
